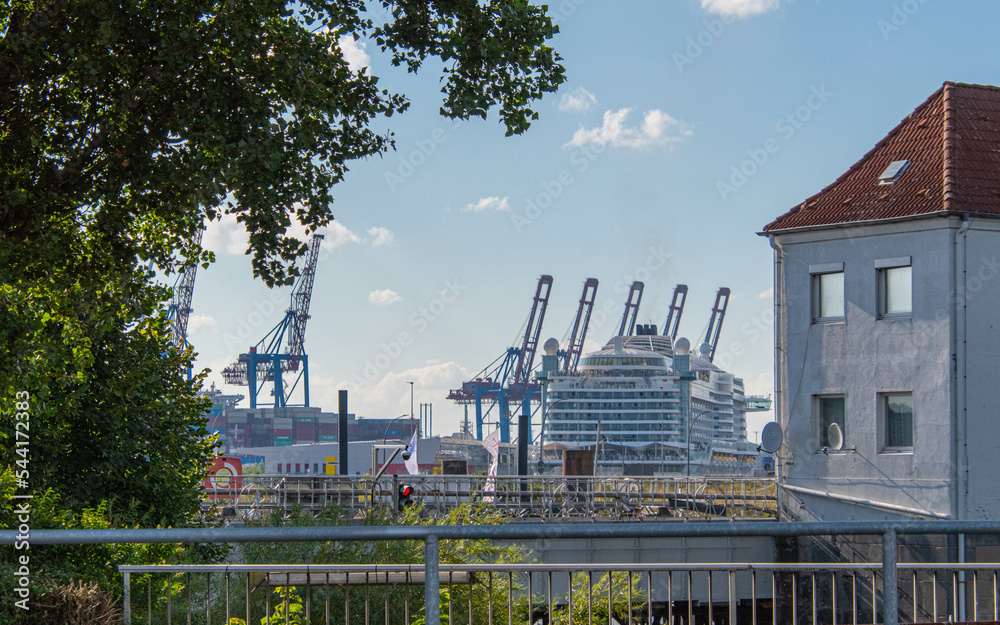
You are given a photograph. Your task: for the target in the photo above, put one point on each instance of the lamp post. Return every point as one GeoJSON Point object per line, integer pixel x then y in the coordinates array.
{"type": "Point", "coordinates": [386, 437]}
{"type": "Point", "coordinates": [411, 400]}
{"type": "Point", "coordinates": [691, 427]}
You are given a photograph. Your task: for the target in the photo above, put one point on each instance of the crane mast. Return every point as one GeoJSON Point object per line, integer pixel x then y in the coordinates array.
{"type": "Point", "coordinates": [715, 323]}
{"type": "Point", "coordinates": [579, 333]}
{"type": "Point", "coordinates": [631, 310]}
{"type": "Point", "coordinates": [676, 307]}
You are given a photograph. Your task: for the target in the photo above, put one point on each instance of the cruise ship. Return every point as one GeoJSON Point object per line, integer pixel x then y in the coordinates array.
{"type": "Point", "coordinates": [645, 409]}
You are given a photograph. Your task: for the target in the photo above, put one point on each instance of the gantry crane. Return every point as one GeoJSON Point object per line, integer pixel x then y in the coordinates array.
{"type": "Point", "coordinates": [631, 310]}
{"type": "Point", "coordinates": [507, 380]}
{"type": "Point", "coordinates": [179, 310]}
{"type": "Point", "coordinates": [676, 307]}
{"type": "Point", "coordinates": [715, 323]}
{"type": "Point", "coordinates": [578, 335]}
{"type": "Point", "coordinates": [265, 362]}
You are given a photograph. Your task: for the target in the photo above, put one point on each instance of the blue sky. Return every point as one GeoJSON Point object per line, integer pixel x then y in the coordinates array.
{"type": "Point", "coordinates": [684, 127]}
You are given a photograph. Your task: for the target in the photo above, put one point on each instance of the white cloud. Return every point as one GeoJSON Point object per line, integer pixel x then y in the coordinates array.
{"type": "Point", "coordinates": [200, 323]}
{"type": "Point", "coordinates": [225, 235]}
{"type": "Point", "coordinates": [577, 101]}
{"type": "Point", "coordinates": [355, 54]}
{"type": "Point", "coordinates": [657, 128]}
{"type": "Point", "coordinates": [739, 8]}
{"type": "Point", "coordinates": [494, 204]}
{"type": "Point", "coordinates": [383, 297]}
{"type": "Point", "coordinates": [381, 236]}
{"type": "Point", "coordinates": [389, 396]}
{"type": "Point", "coordinates": [768, 294]}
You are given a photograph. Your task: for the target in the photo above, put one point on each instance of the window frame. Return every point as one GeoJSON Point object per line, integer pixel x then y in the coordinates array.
{"type": "Point", "coordinates": [882, 268]}
{"type": "Point", "coordinates": [822, 432]}
{"type": "Point", "coordinates": [883, 423]}
{"type": "Point", "coordinates": [816, 273]}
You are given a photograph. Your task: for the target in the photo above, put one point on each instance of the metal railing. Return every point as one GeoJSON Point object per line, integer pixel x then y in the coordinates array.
{"type": "Point", "coordinates": [948, 595]}
{"type": "Point", "coordinates": [519, 497]}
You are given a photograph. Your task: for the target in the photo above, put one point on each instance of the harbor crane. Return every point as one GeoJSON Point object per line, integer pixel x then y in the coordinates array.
{"type": "Point", "coordinates": [578, 335]}
{"type": "Point", "coordinates": [676, 308]}
{"type": "Point", "coordinates": [715, 323]}
{"type": "Point", "coordinates": [179, 310]}
{"type": "Point", "coordinates": [266, 362]}
{"type": "Point", "coordinates": [507, 380]}
{"type": "Point", "coordinates": [631, 310]}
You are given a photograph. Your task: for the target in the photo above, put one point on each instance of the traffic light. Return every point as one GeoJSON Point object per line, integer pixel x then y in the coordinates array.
{"type": "Point", "coordinates": [406, 492]}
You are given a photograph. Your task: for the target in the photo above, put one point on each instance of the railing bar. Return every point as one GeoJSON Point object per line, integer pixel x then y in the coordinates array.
{"type": "Point", "coordinates": [629, 598]}
{"type": "Point", "coordinates": [228, 618]}
{"type": "Point", "coordinates": [996, 608]}
{"type": "Point", "coordinates": [247, 598]}
{"type": "Point", "coordinates": [385, 596]}
{"type": "Point", "coordinates": [774, 598]}
{"type": "Point", "coordinates": [531, 592]}
{"type": "Point", "coordinates": [170, 592]}
{"type": "Point", "coordinates": [914, 596]}
{"type": "Point", "coordinates": [570, 596]}
{"type": "Point", "coordinates": [471, 588]}
{"type": "Point", "coordinates": [795, 607]}
{"type": "Point", "coordinates": [189, 598]}
{"type": "Point", "coordinates": [874, 598]}
{"type": "Point", "coordinates": [510, 598]}
{"type": "Point", "coordinates": [611, 607]}
{"type": "Point", "coordinates": [854, 598]}
{"type": "Point", "coordinates": [347, 603]}
{"type": "Point", "coordinates": [326, 593]}
{"type": "Point", "coordinates": [288, 593]}
{"type": "Point", "coordinates": [208, 599]}
{"type": "Point", "coordinates": [367, 600]}
{"type": "Point", "coordinates": [711, 601]}
{"type": "Point", "coordinates": [548, 591]}
{"type": "Point", "coordinates": [753, 597]}
{"type": "Point", "coordinates": [934, 601]}
{"type": "Point", "coordinates": [975, 595]}
{"type": "Point", "coordinates": [489, 612]}
{"type": "Point", "coordinates": [690, 607]}
{"type": "Point", "coordinates": [267, 603]}
{"type": "Point", "coordinates": [590, 599]}
{"type": "Point", "coordinates": [732, 596]}
{"type": "Point", "coordinates": [649, 597]}
{"type": "Point", "coordinates": [149, 600]}
{"type": "Point", "coordinates": [833, 594]}
{"type": "Point", "coordinates": [670, 598]}
{"type": "Point", "coordinates": [127, 599]}
{"type": "Point", "coordinates": [954, 595]}
{"type": "Point", "coordinates": [451, 594]}
{"type": "Point", "coordinates": [813, 580]}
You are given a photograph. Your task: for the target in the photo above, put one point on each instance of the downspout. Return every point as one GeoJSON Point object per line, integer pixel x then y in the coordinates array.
{"type": "Point", "coordinates": [961, 410]}
{"type": "Point", "coordinates": [779, 292]}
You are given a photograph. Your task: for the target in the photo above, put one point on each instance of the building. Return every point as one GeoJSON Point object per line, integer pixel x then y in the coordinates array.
{"type": "Point", "coordinates": [293, 425]}
{"type": "Point", "coordinates": [887, 326]}
{"type": "Point", "coordinates": [638, 407]}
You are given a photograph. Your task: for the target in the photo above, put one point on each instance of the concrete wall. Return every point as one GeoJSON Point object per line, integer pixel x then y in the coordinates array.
{"type": "Point", "coordinates": [862, 356]}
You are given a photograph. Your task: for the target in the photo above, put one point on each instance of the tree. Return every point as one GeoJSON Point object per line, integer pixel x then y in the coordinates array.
{"type": "Point", "coordinates": [123, 126]}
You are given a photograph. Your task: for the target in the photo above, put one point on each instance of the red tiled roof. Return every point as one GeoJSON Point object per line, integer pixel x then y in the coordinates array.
{"type": "Point", "coordinates": [952, 141]}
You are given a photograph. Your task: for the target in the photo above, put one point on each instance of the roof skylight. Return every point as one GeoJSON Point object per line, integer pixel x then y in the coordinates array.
{"type": "Point", "coordinates": [893, 172]}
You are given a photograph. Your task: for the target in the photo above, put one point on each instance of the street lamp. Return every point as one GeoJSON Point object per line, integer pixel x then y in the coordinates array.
{"type": "Point", "coordinates": [691, 427]}
{"type": "Point", "coordinates": [386, 437]}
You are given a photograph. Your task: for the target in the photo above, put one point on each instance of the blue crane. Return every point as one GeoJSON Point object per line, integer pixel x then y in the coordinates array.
{"type": "Point", "coordinates": [266, 362]}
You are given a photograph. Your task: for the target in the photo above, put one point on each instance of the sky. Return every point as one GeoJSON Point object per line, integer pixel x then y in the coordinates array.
{"type": "Point", "coordinates": [684, 127]}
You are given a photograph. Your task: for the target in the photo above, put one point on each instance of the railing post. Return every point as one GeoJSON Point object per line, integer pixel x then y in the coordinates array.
{"type": "Point", "coordinates": [432, 582]}
{"type": "Point", "coordinates": [890, 582]}
{"type": "Point", "coordinates": [127, 600]}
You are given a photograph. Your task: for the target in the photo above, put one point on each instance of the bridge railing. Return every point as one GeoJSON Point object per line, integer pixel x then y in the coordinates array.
{"type": "Point", "coordinates": [525, 497]}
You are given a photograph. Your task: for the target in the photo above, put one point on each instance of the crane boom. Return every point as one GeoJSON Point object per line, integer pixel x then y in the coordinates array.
{"type": "Point", "coordinates": [631, 309]}
{"type": "Point", "coordinates": [579, 332]}
{"type": "Point", "coordinates": [681, 293]}
{"type": "Point", "coordinates": [715, 323]}
{"type": "Point", "coordinates": [522, 373]}
{"type": "Point", "coordinates": [180, 307]}
{"type": "Point", "coordinates": [301, 296]}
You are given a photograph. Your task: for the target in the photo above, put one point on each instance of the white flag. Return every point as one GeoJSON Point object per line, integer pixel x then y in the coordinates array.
{"type": "Point", "coordinates": [411, 463]}
{"type": "Point", "coordinates": [492, 445]}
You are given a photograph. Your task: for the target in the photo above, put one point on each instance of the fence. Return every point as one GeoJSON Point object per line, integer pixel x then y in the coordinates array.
{"type": "Point", "coordinates": [525, 497]}
{"type": "Point", "coordinates": [790, 584]}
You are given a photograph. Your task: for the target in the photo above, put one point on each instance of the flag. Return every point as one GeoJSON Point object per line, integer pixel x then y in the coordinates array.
{"type": "Point", "coordinates": [492, 445]}
{"type": "Point", "coordinates": [411, 463]}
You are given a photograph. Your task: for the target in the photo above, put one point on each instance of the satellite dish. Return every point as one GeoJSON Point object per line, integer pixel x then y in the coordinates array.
{"type": "Point", "coordinates": [771, 437]}
{"type": "Point", "coordinates": [835, 436]}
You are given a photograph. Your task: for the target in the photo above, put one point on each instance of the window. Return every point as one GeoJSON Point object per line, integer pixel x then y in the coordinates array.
{"type": "Point", "coordinates": [830, 410]}
{"type": "Point", "coordinates": [897, 421]}
{"type": "Point", "coordinates": [828, 295]}
{"type": "Point", "coordinates": [895, 292]}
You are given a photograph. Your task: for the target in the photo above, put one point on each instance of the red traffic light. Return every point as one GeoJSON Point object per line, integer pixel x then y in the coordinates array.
{"type": "Point", "coordinates": [406, 491]}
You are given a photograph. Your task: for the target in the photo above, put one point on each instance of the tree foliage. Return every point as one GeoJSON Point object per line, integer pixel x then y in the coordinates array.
{"type": "Point", "coordinates": [124, 126]}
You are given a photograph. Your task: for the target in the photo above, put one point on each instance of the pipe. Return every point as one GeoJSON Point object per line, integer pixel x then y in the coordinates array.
{"type": "Point", "coordinates": [864, 502]}
{"type": "Point", "coordinates": [779, 292]}
{"type": "Point", "coordinates": [961, 409]}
